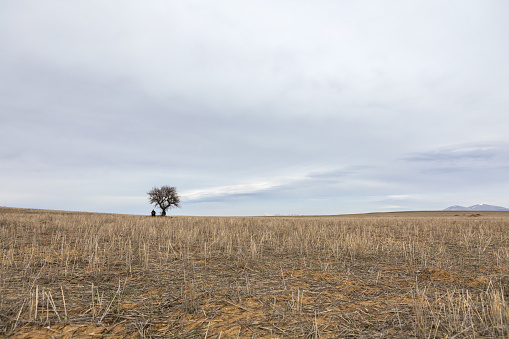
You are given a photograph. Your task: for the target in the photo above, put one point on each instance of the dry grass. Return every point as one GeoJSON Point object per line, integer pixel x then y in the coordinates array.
{"type": "Point", "coordinates": [84, 275]}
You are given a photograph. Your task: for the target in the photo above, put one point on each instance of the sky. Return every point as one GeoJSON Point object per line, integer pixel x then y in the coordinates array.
{"type": "Point", "coordinates": [254, 107]}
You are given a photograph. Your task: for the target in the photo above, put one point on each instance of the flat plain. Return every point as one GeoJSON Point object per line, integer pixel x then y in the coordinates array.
{"type": "Point", "coordinates": [386, 275]}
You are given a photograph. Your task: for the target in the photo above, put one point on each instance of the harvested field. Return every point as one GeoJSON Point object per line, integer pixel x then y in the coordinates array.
{"type": "Point", "coordinates": [394, 275]}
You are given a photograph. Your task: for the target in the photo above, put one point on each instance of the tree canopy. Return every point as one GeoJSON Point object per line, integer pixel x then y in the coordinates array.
{"type": "Point", "coordinates": [164, 197]}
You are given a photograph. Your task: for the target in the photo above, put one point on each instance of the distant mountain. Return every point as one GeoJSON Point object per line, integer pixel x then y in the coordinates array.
{"type": "Point", "coordinates": [478, 207]}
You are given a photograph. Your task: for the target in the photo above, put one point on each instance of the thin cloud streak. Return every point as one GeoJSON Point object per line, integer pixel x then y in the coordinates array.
{"type": "Point", "coordinates": [221, 191]}
{"type": "Point", "coordinates": [314, 178]}
{"type": "Point", "coordinates": [240, 189]}
{"type": "Point", "coordinates": [460, 153]}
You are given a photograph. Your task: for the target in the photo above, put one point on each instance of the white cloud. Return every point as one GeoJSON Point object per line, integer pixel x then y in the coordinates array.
{"type": "Point", "coordinates": [227, 190]}
{"type": "Point", "coordinates": [239, 189]}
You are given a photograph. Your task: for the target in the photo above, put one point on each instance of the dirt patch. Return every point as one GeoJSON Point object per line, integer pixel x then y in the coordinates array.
{"type": "Point", "coordinates": [443, 276]}
{"type": "Point", "coordinates": [79, 331]}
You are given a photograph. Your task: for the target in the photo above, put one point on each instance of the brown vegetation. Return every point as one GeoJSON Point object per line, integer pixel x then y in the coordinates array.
{"type": "Point", "coordinates": [84, 275]}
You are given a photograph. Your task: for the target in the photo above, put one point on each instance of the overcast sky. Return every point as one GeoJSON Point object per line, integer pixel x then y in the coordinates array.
{"type": "Point", "coordinates": [254, 107]}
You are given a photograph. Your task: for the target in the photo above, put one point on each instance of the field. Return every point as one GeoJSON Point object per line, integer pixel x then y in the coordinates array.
{"type": "Point", "coordinates": [392, 275]}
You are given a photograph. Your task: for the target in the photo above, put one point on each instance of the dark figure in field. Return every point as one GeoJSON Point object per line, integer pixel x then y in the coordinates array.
{"type": "Point", "coordinates": [153, 213]}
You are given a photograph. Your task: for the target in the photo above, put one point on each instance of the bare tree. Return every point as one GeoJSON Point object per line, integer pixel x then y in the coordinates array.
{"type": "Point", "coordinates": [164, 198]}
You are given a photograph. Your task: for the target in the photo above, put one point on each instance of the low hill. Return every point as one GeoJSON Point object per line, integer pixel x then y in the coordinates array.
{"type": "Point", "coordinates": [478, 207]}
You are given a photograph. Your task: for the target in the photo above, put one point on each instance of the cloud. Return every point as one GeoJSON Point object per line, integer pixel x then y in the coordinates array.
{"type": "Point", "coordinates": [330, 174]}
{"type": "Point", "coordinates": [468, 162]}
{"type": "Point", "coordinates": [275, 186]}
{"type": "Point", "coordinates": [230, 190]}
{"type": "Point", "coordinates": [459, 153]}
